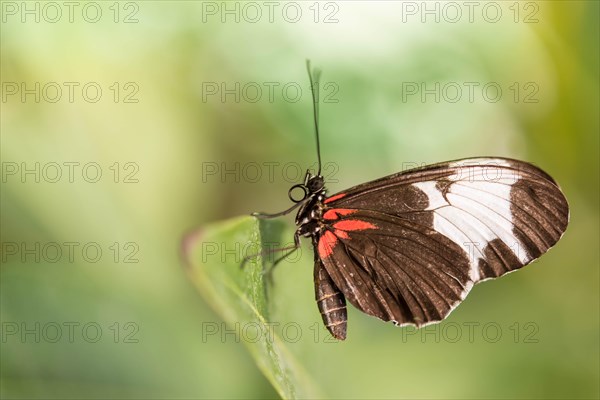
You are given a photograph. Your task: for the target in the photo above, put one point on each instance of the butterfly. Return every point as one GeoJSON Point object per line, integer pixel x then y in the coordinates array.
{"type": "Point", "coordinates": [408, 248]}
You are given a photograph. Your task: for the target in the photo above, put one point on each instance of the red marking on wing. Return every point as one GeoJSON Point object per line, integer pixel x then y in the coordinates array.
{"type": "Point", "coordinates": [326, 244]}
{"type": "Point", "coordinates": [341, 234]}
{"type": "Point", "coordinates": [353, 225]}
{"type": "Point", "coordinates": [334, 198]}
{"type": "Point", "coordinates": [335, 212]}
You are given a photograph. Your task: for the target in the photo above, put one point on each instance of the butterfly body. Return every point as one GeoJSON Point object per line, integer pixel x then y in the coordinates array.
{"type": "Point", "coordinates": [311, 223]}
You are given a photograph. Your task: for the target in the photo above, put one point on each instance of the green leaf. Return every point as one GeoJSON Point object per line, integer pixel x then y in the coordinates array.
{"type": "Point", "coordinates": [213, 256]}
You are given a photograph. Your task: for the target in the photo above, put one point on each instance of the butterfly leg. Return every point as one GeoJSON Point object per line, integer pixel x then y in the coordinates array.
{"type": "Point", "coordinates": [262, 215]}
{"type": "Point", "coordinates": [289, 250]}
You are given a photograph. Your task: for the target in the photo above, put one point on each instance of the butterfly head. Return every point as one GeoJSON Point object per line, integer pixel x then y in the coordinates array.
{"type": "Point", "coordinates": [312, 185]}
{"type": "Point", "coordinates": [315, 184]}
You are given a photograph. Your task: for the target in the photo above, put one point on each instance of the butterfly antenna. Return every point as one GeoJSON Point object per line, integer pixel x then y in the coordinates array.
{"type": "Point", "coordinates": [314, 76]}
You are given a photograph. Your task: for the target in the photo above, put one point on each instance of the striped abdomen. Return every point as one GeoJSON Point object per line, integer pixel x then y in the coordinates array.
{"type": "Point", "coordinates": [331, 302]}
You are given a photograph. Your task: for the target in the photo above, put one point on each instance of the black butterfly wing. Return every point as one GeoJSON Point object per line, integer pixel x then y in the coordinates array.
{"type": "Point", "coordinates": [409, 247]}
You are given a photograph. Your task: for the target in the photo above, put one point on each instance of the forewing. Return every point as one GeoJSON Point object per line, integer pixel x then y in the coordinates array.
{"type": "Point", "coordinates": [416, 242]}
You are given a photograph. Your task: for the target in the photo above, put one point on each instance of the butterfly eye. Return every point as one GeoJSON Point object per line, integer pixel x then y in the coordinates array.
{"type": "Point", "coordinates": [297, 188]}
{"type": "Point", "coordinates": [315, 184]}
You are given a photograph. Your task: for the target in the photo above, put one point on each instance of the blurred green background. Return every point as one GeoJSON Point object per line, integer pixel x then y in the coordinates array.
{"type": "Point", "coordinates": [160, 118]}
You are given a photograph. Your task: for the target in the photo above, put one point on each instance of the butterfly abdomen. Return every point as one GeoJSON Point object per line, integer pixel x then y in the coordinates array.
{"type": "Point", "coordinates": [331, 303]}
